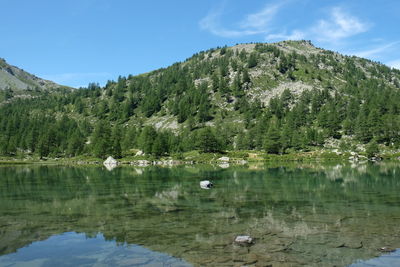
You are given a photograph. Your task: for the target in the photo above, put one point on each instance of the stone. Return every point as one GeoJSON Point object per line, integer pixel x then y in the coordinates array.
{"type": "Point", "coordinates": [386, 249]}
{"type": "Point", "coordinates": [110, 161]}
{"type": "Point", "coordinates": [243, 239]}
{"type": "Point", "coordinates": [225, 159]}
{"type": "Point", "coordinates": [143, 162]}
{"type": "Point", "coordinates": [206, 184]}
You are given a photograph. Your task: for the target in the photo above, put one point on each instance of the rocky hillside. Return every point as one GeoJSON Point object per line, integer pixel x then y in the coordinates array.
{"type": "Point", "coordinates": [279, 97]}
{"type": "Point", "coordinates": [17, 82]}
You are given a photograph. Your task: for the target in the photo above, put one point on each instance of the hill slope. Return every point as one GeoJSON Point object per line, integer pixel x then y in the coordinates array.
{"type": "Point", "coordinates": [17, 82]}
{"type": "Point", "coordinates": [279, 97]}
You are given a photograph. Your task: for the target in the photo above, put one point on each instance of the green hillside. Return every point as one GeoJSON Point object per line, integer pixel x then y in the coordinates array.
{"type": "Point", "coordinates": [281, 97]}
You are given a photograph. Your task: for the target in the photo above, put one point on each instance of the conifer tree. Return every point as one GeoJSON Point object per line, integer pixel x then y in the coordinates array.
{"type": "Point", "coordinates": [100, 141]}
{"type": "Point", "coordinates": [207, 141]}
{"type": "Point", "coordinates": [272, 141]}
{"type": "Point", "coordinates": [116, 137]}
{"type": "Point", "coordinates": [146, 139]}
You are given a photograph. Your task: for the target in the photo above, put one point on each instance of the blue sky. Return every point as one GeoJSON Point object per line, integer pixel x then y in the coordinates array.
{"type": "Point", "coordinates": [74, 42]}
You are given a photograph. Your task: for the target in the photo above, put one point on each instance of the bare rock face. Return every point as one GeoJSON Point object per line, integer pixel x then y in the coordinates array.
{"type": "Point", "coordinates": [19, 80]}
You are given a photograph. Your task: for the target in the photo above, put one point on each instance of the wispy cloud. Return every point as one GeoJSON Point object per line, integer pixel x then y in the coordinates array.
{"type": "Point", "coordinates": [340, 25]}
{"type": "Point", "coordinates": [252, 24]}
{"type": "Point", "coordinates": [376, 50]}
{"type": "Point", "coordinates": [335, 31]}
{"type": "Point", "coordinates": [260, 20]}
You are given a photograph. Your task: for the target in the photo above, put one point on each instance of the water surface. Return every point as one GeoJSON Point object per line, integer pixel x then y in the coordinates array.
{"type": "Point", "coordinates": [311, 215]}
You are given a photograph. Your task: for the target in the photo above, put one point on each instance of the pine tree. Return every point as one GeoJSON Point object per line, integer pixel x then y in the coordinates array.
{"type": "Point", "coordinates": [101, 139]}
{"type": "Point", "coordinates": [272, 141]}
{"type": "Point", "coordinates": [372, 149]}
{"type": "Point", "coordinates": [286, 137]}
{"type": "Point", "coordinates": [252, 61]}
{"type": "Point", "coordinates": [116, 137]}
{"type": "Point", "coordinates": [362, 130]}
{"type": "Point", "coordinates": [207, 141]}
{"type": "Point", "coordinates": [146, 139]}
{"type": "Point", "coordinates": [159, 147]}
{"type": "Point", "coordinates": [43, 145]}
{"type": "Point", "coordinates": [129, 139]}
{"type": "Point", "coordinates": [75, 144]}
{"type": "Point", "coordinates": [204, 109]}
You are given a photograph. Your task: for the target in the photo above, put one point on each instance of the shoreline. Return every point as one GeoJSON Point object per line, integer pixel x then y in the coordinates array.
{"type": "Point", "coordinates": [234, 158]}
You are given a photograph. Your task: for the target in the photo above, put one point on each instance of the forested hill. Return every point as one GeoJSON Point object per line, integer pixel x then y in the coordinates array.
{"type": "Point", "coordinates": [278, 97]}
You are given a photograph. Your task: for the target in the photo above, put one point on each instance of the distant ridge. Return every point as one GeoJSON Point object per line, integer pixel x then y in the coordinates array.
{"type": "Point", "coordinates": [16, 79]}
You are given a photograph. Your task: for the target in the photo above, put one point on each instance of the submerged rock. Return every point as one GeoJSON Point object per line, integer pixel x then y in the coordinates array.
{"type": "Point", "coordinates": [243, 240]}
{"type": "Point", "coordinates": [206, 184]}
{"type": "Point", "coordinates": [386, 249]}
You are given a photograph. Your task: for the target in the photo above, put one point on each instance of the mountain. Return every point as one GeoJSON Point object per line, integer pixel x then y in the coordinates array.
{"type": "Point", "coordinates": [17, 82]}
{"type": "Point", "coordinates": [278, 97]}
{"type": "Point", "coordinates": [17, 79]}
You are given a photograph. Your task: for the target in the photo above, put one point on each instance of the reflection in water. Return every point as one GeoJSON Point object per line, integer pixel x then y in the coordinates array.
{"type": "Point", "coordinates": [110, 167]}
{"type": "Point", "coordinates": [387, 260]}
{"type": "Point", "coordinates": [72, 249]}
{"type": "Point", "coordinates": [314, 215]}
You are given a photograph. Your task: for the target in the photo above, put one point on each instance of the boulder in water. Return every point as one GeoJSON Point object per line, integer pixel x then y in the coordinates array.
{"type": "Point", "coordinates": [243, 240]}
{"type": "Point", "coordinates": [206, 184]}
{"type": "Point", "coordinates": [110, 163]}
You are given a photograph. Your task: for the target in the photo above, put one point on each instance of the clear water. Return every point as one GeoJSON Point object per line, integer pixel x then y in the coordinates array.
{"type": "Point", "coordinates": [73, 249]}
{"type": "Point", "coordinates": [310, 215]}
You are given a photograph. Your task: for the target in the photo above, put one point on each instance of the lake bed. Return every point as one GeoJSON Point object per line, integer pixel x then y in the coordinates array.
{"type": "Point", "coordinates": [311, 215]}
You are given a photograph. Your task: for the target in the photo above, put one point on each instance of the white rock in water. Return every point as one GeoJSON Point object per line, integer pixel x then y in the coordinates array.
{"type": "Point", "coordinates": [110, 161]}
{"type": "Point", "coordinates": [225, 159]}
{"type": "Point", "coordinates": [206, 184]}
{"type": "Point", "coordinates": [243, 239]}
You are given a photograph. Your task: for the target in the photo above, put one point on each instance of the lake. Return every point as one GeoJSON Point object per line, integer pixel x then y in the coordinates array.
{"type": "Point", "coordinates": [300, 215]}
